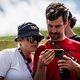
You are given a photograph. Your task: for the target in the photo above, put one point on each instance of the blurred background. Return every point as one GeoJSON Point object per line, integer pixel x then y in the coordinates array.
{"type": "Point", "coordinates": [16, 12]}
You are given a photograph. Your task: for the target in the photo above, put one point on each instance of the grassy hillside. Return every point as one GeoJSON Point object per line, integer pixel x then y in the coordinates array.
{"type": "Point", "coordinates": [7, 44]}
{"type": "Point", "coordinates": [8, 41]}
{"type": "Point", "coordinates": [7, 38]}
{"type": "Point", "coordinates": [77, 30]}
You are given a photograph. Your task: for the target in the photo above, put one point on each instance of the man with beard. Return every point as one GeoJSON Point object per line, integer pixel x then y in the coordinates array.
{"type": "Point", "coordinates": [59, 57]}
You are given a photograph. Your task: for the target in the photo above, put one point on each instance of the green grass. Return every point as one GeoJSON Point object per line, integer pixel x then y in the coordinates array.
{"type": "Point", "coordinates": [77, 30]}
{"type": "Point", "coordinates": [7, 44]}
{"type": "Point", "coordinates": [45, 33]}
{"type": "Point", "coordinates": [7, 38]}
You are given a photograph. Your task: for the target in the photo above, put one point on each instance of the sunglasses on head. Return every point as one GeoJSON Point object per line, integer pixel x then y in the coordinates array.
{"type": "Point", "coordinates": [31, 39]}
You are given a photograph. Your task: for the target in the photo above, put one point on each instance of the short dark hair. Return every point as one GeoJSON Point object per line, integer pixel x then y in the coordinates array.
{"type": "Point", "coordinates": [72, 20]}
{"type": "Point", "coordinates": [55, 10]}
{"type": "Point", "coordinates": [70, 16]}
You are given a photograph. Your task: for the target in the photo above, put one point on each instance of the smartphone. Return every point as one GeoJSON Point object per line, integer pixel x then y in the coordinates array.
{"type": "Point", "coordinates": [59, 53]}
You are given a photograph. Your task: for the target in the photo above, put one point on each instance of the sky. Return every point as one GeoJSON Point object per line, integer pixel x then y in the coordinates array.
{"type": "Point", "coordinates": [16, 12]}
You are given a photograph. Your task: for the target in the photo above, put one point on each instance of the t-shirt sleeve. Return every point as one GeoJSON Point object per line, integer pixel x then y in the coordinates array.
{"type": "Point", "coordinates": [36, 56]}
{"type": "Point", "coordinates": [4, 62]}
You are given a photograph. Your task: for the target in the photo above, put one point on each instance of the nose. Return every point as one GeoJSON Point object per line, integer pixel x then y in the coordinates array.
{"type": "Point", "coordinates": [35, 42]}
{"type": "Point", "coordinates": [53, 30]}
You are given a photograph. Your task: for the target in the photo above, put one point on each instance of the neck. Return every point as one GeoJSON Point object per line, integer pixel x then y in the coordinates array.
{"type": "Point", "coordinates": [25, 52]}
{"type": "Point", "coordinates": [69, 32]}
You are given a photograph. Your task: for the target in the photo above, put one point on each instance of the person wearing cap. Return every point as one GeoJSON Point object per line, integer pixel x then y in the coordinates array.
{"type": "Point", "coordinates": [17, 63]}
{"type": "Point", "coordinates": [69, 29]}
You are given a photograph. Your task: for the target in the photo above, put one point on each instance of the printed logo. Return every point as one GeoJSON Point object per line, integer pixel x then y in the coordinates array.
{"type": "Point", "coordinates": [33, 27]}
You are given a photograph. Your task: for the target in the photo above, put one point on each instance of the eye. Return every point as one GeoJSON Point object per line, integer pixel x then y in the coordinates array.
{"type": "Point", "coordinates": [58, 26]}
{"type": "Point", "coordinates": [50, 25]}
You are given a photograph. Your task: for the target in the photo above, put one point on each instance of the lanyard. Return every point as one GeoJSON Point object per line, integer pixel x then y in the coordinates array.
{"type": "Point", "coordinates": [66, 52]}
{"type": "Point", "coordinates": [64, 73]}
{"type": "Point", "coordinates": [27, 61]}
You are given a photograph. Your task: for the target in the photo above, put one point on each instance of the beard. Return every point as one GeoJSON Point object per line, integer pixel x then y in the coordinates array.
{"type": "Point", "coordinates": [54, 36]}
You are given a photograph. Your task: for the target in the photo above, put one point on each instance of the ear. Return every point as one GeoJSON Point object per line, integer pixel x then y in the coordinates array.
{"type": "Point", "coordinates": [19, 40]}
{"type": "Point", "coordinates": [66, 23]}
{"type": "Point", "coordinates": [69, 22]}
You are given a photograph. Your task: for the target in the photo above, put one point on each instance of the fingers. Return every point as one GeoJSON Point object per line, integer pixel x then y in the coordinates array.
{"type": "Point", "coordinates": [65, 63]}
{"type": "Point", "coordinates": [66, 57]}
{"type": "Point", "coordinates": [62, 64]}
{"type": "Point", "coordinates": [46, 56]}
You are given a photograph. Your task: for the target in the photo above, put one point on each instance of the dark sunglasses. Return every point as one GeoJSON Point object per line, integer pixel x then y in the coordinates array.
{"type": "Point", "coordinates": [31, 39]}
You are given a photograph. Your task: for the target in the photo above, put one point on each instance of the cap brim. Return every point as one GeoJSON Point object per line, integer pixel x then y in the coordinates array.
{"type": "Point", "coordinates": [29, 34]}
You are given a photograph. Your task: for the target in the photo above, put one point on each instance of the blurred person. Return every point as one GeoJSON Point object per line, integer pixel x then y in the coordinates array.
{"type": "Point", "coordinates": [69, 29]}
{"type": "Point", "coordinates": [17, 63]}
{"type": "Point", "coordinates": [59, 57]}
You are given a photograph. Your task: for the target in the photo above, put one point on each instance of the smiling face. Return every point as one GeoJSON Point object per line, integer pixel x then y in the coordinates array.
{"type": "Point", "coordinates": [56, 28]}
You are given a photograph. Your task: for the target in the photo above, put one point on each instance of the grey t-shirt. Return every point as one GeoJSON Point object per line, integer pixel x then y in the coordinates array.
{"type": "Point", "coordinates": [12, 65]}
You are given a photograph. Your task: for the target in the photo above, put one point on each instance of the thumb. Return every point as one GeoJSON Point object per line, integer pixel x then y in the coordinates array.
{"type": "Point", "coordinates": [66, 57]}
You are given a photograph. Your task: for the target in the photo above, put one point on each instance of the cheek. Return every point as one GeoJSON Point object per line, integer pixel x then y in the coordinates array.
{"type": "Point", "coordinates": [25, 44]}
{"type": "Point", "coordinates": [61, 29]}
{"type": "Point", "coordinates": [49, 29]}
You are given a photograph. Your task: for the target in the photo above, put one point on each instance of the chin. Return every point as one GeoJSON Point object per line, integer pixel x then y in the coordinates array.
{"type": "Point", "coordinates": [54, 38]}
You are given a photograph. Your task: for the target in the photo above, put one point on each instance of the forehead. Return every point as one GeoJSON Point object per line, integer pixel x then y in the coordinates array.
{"type": "Point", "coordinates": [57, 21]}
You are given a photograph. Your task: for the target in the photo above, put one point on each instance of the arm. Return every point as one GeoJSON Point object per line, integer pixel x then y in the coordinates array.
{"type": "Point", "coordinates": [5, 61]}
{"type": "Point", "coordinates": [40, 73]}
{"type": "Point", "coordinates": [44, 59]}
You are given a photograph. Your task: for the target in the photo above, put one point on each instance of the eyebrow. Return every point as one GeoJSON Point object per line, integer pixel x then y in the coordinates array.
{"type": "Point", "coordinates": [55, 25]}
{"type": "Point", "coordinates": [50, 25]}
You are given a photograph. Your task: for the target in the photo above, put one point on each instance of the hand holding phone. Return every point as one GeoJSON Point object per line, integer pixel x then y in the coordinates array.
{"type": "Point", "coordinates": [59, 53]}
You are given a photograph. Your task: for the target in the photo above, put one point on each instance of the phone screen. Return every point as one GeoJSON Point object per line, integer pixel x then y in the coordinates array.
{"type": "Point", "coordinates": [59, 53]}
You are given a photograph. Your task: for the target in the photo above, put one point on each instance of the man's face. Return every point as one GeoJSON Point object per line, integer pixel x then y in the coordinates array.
{"type": "Point", "coordinates": [56, 29]}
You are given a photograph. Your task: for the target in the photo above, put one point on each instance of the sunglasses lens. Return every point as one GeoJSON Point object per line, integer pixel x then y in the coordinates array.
{"type": "Point", "coordinates": [38, 39]}
{"type": "Point", "coordinates": [33, 38]}
{"type": "Point", "coordinates": [30, 39]}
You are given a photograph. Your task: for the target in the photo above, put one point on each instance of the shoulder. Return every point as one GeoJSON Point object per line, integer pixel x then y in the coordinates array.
{"type": "Point", "coordinates": [43, 46]}
{"type": "Point", "coordinates": [6, 61]}
{"type": "Point", "coordinates": [40, 49]}
{"type": "Point", "coordinates": [75, 37]}
{"type": "Point", "coordinates": [7, 52]}
{"type": "Point", "coordinates": [74, 42]}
